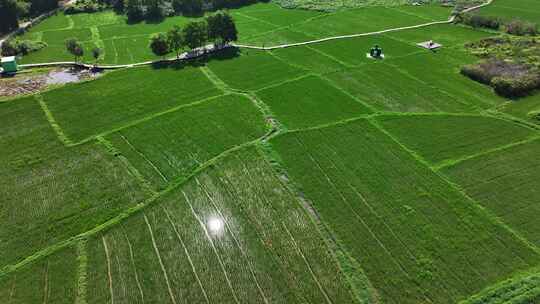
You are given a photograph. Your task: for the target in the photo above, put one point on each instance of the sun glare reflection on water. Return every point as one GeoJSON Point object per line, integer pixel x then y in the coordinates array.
{"type": "Point", "coordinates": [215, 225]}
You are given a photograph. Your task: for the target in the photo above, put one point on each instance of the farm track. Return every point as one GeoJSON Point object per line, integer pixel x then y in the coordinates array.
{"type": "Point", "coordinates": [209, 48]}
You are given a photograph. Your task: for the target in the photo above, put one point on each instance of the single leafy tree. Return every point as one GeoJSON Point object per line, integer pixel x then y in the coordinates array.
{"type": "Point", "coordinates": [175, 38]}
{"type": "Point", "coordinates": [214, 27]}
{"type": "Point", "coordinates": [195, 34]}
{"type": "Point", "coordinates": [75, 48]}
{"type": "Point", "coordinates": [229, 32]}
{"type": "Point", "coordinates": [159, 44]}
{"type": "Point", "coordinates": [96, 52]}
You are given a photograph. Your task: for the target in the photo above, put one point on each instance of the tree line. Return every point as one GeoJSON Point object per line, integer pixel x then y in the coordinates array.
{"type": "Point", "coordinates": [13, 11]}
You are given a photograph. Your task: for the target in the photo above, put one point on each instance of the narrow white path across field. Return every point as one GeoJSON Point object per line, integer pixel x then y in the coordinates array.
{"type": "Point", "coordinates": [210, 48]}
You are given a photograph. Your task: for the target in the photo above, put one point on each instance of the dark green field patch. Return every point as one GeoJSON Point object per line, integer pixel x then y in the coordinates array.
{"type": "Point", "coordinates": [175, 144]}
{"type": "Point", "coordinates": [50, 192]}
{"type": "Point", "coordinates": [231, 233]}
{"type": "Point", "coordinates": [253, 70]}
{"type": "Point", "coordinates": [417, 239]}
{"type": "Point", "coordinates": [388, 89]}
{"type": "Point", "coordinates": [124, 96]}
{"type": "Point", "coordinates": [506, 183]}
{"type": "Point", "coordinates": [309, 102]}
{"type": "Point", "coordinates": [527, 108]}
{"type": "Point", "coordinates": [439, 138]}
{"type": "Point", "coordinates": [58, 53]}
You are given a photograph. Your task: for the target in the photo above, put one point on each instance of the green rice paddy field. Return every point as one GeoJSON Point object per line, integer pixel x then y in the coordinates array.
{"type": "Point", "coordinates": [308, 174]}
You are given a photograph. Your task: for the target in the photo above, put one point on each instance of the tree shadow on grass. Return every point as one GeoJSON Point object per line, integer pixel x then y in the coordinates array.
{"type": "Point", "coordinates": [200, 61]}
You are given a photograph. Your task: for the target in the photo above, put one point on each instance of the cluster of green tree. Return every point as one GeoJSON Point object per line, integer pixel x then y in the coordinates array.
{"type": "Point", "coordinates": [218, 29]}
{"type": "Point", "coordinates": [514, 27]}
{"type": "Point", "coordinates": [12, 11]}
{"type": "Point", "coordinates": [15, 46]}
{"type": "Point", "coordinates": [138, 10]}
{"type": "Point", "coordinates": [75, 48]}
{"type": "Point", "coordinates": [511, 65]}
{"type": "Point", "coordinates": [86, 6]}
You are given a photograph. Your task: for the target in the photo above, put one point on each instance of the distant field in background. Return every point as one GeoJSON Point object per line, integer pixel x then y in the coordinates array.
{"type": "Point", "coordinates": [259, 24]}
{"type": "Point", "coordinates": [528, 10]}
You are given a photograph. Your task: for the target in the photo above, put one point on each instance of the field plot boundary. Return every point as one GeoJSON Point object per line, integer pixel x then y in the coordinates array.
{"type": "Point", "coordinates": [488, 213]}
{"type": "Point", "coordinates": [210, 48]}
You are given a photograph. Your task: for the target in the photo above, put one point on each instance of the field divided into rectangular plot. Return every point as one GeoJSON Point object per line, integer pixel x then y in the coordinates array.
{"type": "Point", "coordinates": [526, 108]}
{"type": "Point", "coordinates": [175, 144]}
{"type": "Point", "coordinates": [506, 183]}
{"type": "Point", "coordinates": [251, 70]}
{"type": "Point", "coordinates": [121, 97]}
{"type": "Point", "coordinates": [233, 234]}
{"type": "Point", "coordinates": [417, 238]}
{"type": "Point", "coordinates": [52, 279]}
{"type": "Point", "coordinates": [49, 192]}
{"type": "Point", "coordinates": [440, 138]}
{"type": "Point", "coordinates": [309, 102]}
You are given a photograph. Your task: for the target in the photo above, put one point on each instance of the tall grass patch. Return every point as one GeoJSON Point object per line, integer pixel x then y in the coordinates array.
{"type": "Point", "coordinates": [232, 233]}
{"type": "Point", "coordinates": [175, 144]}
{"type": "Point", "coordinates": [309, 102]}
{"type": "Point", "coordinates": [122, 97]}
{"type": "Point", "coordinates": [505, 182]}
{"type": "Point", "coordinates": [417, 238]}
{"type": "Point", "coordinates": [440, 138]}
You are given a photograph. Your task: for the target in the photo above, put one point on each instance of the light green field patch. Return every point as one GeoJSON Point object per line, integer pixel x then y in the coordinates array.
{"type": "Point", "coordinates": [58, 53]}
{"type": "Point", "coordinates": [124, 96]}
{"type": "Point", "coordinates": [528, 10]}
{"type": "Point", "coordinates": [50, 280]}
{"type": "Point", "coordinates": [128, 50]}
{"type": "Point", "coordinates": [506, 183]}
{"type": "Point", "coordinates": [309, 59]}
{"type": "Point", "coordinates": [434, 12]}
{"type": "Point", "coordinates": [96, 19]}
{"type": "Point", "coordinates": [275, 37]}
{"type": "Point", "coordinates": [175, 144]}
{"type": "Point", "coordinates": [417, 239]}
{"type": "Point", "coordinates": [50, 192]}
{"type": "Point", "coordinates": [439, 138]}
{"type": "Point", "coordinates": [253, 28]}
{"type": "Point", "coordinates": [58, 21]}
{"type": "Point", "coordinates": [356, 21]}
{"type": "Point", "coordinates": [232, 233]}
{"type": "Point", "coordinates": [445, 34]}
{"type": "Point", "coordinates": [442, 69]}
{"type": "Point", "coordinates": [282, 17]}
{"type": "Point", "coordinates": [527, 108]}
{"type": "Point", "coordinates": [388, 89]}
{"type": "Point", "coordinates": [252, 70]}
{"type": "Point", "coordinates": [352, 51]}
{"type": "Point", "coordinates": [309, 102]}
{"type": "Point", "coordinates": [60, 37]}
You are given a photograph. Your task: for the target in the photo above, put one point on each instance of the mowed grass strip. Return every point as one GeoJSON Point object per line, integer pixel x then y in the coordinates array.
{"type": "Point", "coordinates": [121, 97]}
{"type": "Point", "coordinates": [440, 138]}
{"type": "Point", "coordinates": [417, 239]}
{"type": "Point", "coordinates": [249, 70]}
{"type": "Point", "coordinates": [309, 102]}
{"type": "Point", "coordinates": [506, 183]}
{"type": "Point", "coordinates": [233, 233]}
{"type": "Point", "coordinates": [49, 192]}
{"type": "Point", "coordinates": [52, 279]}
{"type": "Point", "coordinates": [387, 88]}
{"type": "Point", "coordinates": [175, 144]}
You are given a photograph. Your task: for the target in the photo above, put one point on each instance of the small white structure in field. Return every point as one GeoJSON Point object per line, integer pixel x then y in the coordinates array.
{"type": "Point", "coordinates": [430, 45]}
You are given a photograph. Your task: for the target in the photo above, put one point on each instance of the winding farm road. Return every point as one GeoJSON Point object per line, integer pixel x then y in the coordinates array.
{"type": "Point", "coordinates": [210, 48]}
